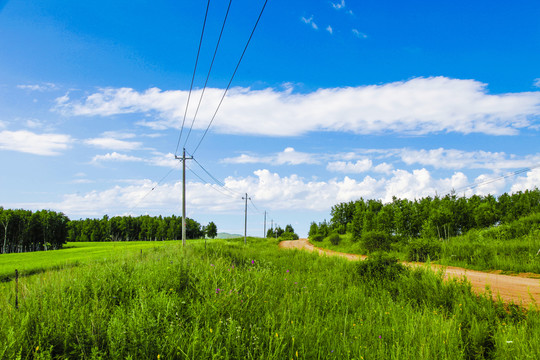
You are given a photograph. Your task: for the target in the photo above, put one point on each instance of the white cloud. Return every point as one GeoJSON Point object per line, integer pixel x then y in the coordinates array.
{"type": "Point", "coordinates": [118, 135]}
{"type": "Point", "coordinates": [329, 29]}
{"type": "Point", "coordinates": [309, 22]}
{"type": "Point", "coordinates": [39, 87]}
{"type": "Point", "coordinates": [113, 144]}
{"type": "Point", "coordinates": [338, 6]}
{"type": "Point", "coordinates": [537, 82]}
{"type": "Point", "coordinates": [359, 34]}
{"type": "Point", "coordinates": [418, 106]}
{"type": "Point", "coordinates": [157, 159]}
{"type": "Point", "coordinates": [289, 156]}
{"type": "Point", "coordinates": [360, 166]}
{"type": "Point", "coordinates": [383, 168]}
{"type": "Point", "coordinates": [274, 192]}
{"type": "Point", "coordinates": [114, 156]}
{"type": "Point", "coordinates": [529, 182]}
{"type": "Point", "coordinates": [32, 143]}
{"type": "Point", "coordinates": [34, 124]}
{"type": "Point", "coordinates": [164, 160]}
{"type": "Point", "coordinates": [459, 159]}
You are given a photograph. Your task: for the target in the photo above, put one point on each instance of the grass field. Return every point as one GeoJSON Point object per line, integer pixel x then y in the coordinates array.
{"type": "Point", "coordinates": [232, 301]}
{"type": "Point", "coordinates": [73, 254]}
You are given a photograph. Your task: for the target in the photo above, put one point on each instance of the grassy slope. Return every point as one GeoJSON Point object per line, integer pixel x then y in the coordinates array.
{"type": "Point", "coordinates": [232, 301]}
{"type": "Point", "coordinates": [72, 254]}
{"type": "Point", "coordinates": [471, 251]}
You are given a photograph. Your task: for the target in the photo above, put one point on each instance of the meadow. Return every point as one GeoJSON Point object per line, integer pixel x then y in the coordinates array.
{"type": "Point", "coordinates": [72, 254]}
{"type": "Point", "coordinates": [231, 301]}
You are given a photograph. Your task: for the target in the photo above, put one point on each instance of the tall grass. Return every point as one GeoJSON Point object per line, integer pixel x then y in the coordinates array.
{"type": "Point", "coordinates": [233, 301]}
{"type": "Point", "coordinates": [477, 252]}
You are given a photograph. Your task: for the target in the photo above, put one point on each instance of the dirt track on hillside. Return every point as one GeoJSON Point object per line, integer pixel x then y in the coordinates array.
{"type": "Point", "coordinates": [517, 289]}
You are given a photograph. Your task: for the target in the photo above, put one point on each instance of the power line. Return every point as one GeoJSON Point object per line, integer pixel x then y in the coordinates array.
{"type": "Point", "coordinates": [256, 209]}
{"type": "Point", "coordinates": [219, 183]}
{"type": "Point", "coordinates": [232, 77]}
{"type": "Point", "coordinates": [193, 77]}
{"type": "Point", "coordinates": [211, 185]}
{"type": "Point", "coordinates": [153, 188]}
{"type": "Point", "coordinates": [489, 181]}
{"type": "Point", "coordinates": [209, 71]}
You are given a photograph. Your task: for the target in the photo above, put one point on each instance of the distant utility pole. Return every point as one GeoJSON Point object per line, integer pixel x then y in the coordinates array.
{"type": "Point", "coordinates": [245, 221]}
{"type": "Point", "coordinates": [183, 160]}
{"type": "Point", "coordinates": [264, 231]}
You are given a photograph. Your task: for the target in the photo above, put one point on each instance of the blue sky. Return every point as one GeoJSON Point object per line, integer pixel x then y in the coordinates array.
{"type": "Point", "coordinates": [333, 101]}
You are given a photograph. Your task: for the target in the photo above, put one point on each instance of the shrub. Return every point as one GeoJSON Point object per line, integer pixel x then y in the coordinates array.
{"type": "Point", "coordinates": [376, 241]}
{"type": "Point", "coordinates": [334, 238]}
{"type": "Point", "coordinates": [380, 266]}
{"type": "Point", "coordinates": [422, 249]}
{"type": "Point", "coordinates": [317, 237]}
{"type": "Point", "coordinates": [288, 236]}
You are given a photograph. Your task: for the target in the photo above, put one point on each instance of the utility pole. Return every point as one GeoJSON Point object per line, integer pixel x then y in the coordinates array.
{"type": "Point", "coordinates": [264, 231]}
{"type": "Point", "coordinates": [245, 221]}
{"type": "Point", "coordinates": [183, 160]}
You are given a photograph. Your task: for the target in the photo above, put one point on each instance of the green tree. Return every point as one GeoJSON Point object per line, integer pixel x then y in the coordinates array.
{"type": "Point", "coordinates": [211, 230]}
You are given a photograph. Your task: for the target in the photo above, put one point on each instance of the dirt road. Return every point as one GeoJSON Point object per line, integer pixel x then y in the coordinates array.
{"type": "Point", "coordinates": [516, 289]}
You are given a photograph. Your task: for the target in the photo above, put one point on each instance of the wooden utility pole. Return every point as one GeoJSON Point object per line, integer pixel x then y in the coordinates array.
{"type": "Point", "coordinates": [264, 231]}
{"type": "Point", "coordinates": [183, 159]}
{"type": "Point", "coordinates": [245, 221]}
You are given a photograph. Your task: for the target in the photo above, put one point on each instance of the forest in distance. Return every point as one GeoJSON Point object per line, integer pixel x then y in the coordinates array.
{"type": "Point", "coordinates": [437, 217]}
{"type": "Point", "coordinates": [25, 231]}
{"type": "Point", "coordinates": [429, 217]}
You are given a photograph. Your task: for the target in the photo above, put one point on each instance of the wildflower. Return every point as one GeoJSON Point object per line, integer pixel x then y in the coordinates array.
{"type": "Point", "coordinates": [380, 336]}
{"type": "Point", "coordinates": [296, 353]}
{"type": "Point", "coordinates": [211, 264]}
{"type": "Point", "coordinates": [287, 270]}
{"type": "Point", "coordinates": [277, 335]}
{"type": "Point", "coordinates": [158, 356]}
{"type": "Point", "coordinates": [218, 290]}
{"type": "Point", "coordinates": [210, 329]}
{"type": "Point", "coordinates": [252, 262]}
{"type": "Point", "coordinates": [37, 348]}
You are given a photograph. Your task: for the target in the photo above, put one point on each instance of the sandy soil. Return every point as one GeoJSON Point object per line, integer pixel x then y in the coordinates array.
{"type": "Point", "coordinates": [517, 289]}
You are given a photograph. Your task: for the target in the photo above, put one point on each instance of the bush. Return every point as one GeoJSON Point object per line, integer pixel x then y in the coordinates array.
{"type": "Point", "coordinates": [380, 266]}
{"type": "Point", "coordinates": [334, 238]}
{"type": "Point", "coordinates": [376, 241]}
{"type": "Point", "coordinates": [422, 249]}
{"type": "Point", "coordinates": [317, 237]}
{"type": "Point", "coordinates": [288, 236]}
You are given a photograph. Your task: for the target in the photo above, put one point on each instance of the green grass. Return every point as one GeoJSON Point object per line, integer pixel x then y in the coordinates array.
{"type": "Point", "coordinates": [73, 254]}
{"type": "Point", "coordinates": [232, 301]}
{"type": "Point", "coordinates": [470, 251]}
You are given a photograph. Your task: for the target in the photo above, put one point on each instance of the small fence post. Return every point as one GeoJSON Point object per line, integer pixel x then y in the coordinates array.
{"type": "Point", "coordinates": [16, 289]}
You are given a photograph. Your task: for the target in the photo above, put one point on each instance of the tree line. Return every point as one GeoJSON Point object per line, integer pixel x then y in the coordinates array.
{"type": "Point", "coordinates": [430, 217]}
{"type": "Point", "coordinates": [141, 228]}
{"type": "Point", "coordinates": [24, 230]}
{"type": "Point", "coordinates": [283, 234]}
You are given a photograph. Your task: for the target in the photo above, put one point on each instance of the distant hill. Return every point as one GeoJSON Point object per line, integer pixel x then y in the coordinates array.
{"type": "Point", "coordinates": [224, 235]}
